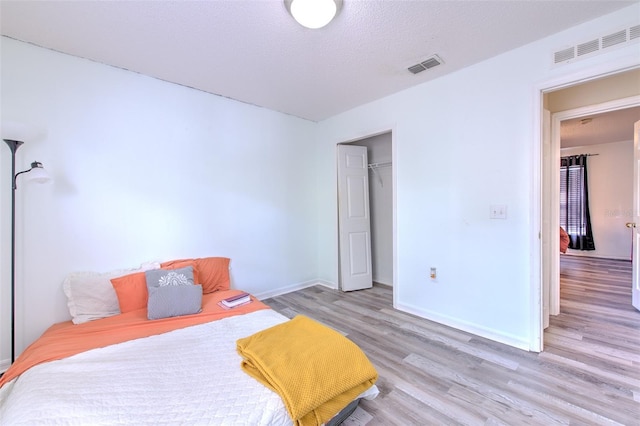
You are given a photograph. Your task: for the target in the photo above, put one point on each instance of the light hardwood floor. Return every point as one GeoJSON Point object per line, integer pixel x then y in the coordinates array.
{"type": "Point", "coordinates": [589, 372]}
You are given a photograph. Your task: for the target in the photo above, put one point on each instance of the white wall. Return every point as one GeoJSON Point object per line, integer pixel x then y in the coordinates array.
{"type": "Point", "coordinates": [610, 176]}
{"type": "Point", "coordinates": [147, 170]}
{"type": "Point", "coordinates": [463, 142]}
{"type": "Point", "coordinates": [605, 89]}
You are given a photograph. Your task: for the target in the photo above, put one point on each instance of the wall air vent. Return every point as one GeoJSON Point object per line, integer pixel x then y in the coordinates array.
{"type": "Point", "coordinates": [588, 47]}
{"type": "Point", "coordinates": [613, 39]}
{"type": "Point", "coordinates": [432, 61]}
{"type": "Point", "coordinates": [598, 45]}
{"type": "Point", "coordinates": [564, 55]}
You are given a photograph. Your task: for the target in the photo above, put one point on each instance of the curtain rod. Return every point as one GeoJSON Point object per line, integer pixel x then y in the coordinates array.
{"type": "Point", "coordinates": [577, 155]}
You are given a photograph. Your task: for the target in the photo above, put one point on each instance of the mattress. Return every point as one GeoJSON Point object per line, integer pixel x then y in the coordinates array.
{"type": "Point", "coordinates": [186, 376]}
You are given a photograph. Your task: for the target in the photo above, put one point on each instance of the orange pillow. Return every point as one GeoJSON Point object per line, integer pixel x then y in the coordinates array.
{"type": "Point", "coordinates": [131, 291]}
{"type": "Point", "coordinates": [213, 272]}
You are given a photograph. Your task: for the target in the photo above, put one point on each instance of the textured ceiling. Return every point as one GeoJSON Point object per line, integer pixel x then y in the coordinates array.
{"type": "Point", "coordinates": [254, 52]}
{"type": "Point", "coordinates": [615, 126]}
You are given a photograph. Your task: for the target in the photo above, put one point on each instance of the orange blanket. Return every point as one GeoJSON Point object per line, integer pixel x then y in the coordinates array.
{"type": "Point", "coordinates": [66, 339]}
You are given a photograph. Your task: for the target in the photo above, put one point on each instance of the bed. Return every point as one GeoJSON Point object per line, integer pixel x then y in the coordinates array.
{"type": "Point", "coordinates": [192, 368]}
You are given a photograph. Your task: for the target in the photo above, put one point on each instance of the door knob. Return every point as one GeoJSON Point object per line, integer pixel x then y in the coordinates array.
{"type": "Point", "coordinates": [631, 225]}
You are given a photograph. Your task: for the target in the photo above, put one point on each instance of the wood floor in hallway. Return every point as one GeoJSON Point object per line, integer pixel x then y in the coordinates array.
{"type": "Point", "coordinates": [430, 374]}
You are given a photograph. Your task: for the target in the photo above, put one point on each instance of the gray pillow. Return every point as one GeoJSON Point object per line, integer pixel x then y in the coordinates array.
{"type": "Point", "coordinates": [173, 301]}
{"type": "Point", "coordinates": [172, 293]}
{"type": "Point", "coordinates": [169, 277]}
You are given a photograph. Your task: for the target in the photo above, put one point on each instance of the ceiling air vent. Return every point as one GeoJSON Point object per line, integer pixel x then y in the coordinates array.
{"type": "Point", "coordinates": [416, 68]}
{"type": "Point", "coordinates": [617, 38]}
{"type": "Point", "coordinates": [431, 62]}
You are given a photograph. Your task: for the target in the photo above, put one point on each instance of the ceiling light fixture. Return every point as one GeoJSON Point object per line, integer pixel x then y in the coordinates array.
{"type": "Point", "coordinates": [313, 14]}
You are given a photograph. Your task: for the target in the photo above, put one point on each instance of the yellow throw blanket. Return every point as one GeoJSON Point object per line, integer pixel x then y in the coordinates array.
{"type": "Point", "coordinates": [315, 370]}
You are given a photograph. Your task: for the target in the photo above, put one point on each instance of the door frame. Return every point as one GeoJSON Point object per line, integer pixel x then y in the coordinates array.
{"type": "Point", "coordinates": [394, 148]}
{"type": "Point", "coordinates": [537, 232]}
{"type": "Point", "coordinates": [635, 245]}
{"type": "Point", "coordinates": [556, 120]}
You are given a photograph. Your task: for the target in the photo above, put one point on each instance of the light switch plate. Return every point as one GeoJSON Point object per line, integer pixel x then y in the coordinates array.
{"type": "Point", "coordinates": [498, 211]}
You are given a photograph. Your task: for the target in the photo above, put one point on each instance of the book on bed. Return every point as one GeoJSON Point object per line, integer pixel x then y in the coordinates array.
{"type": "Point", "coordinates": [232, 302]}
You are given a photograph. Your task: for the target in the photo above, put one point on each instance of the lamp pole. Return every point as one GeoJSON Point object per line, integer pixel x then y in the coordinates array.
{"type": "Point", "coordinates": [13, 146]}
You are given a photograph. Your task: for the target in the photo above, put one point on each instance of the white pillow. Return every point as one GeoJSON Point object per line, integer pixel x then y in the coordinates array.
{"type": "Point", "coordinates": [91, 296]}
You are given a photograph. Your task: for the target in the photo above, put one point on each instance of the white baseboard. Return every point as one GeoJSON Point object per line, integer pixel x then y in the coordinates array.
{"type": "Point", "coordinates": [287, 289]}
{"type": "Point", "coordinates": [328, 284]}
{"type": "Point", "coordinates": [384, 281]}
{"type": "Point", "coordinates": [491, 334]}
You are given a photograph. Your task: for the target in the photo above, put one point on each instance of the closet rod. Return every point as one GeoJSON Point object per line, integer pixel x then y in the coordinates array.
{"type": "Point", "coordinates": [376, 165]}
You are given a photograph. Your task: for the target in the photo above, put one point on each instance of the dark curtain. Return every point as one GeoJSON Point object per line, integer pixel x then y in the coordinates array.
{"type": "Point", "coordinates": [574, 202]}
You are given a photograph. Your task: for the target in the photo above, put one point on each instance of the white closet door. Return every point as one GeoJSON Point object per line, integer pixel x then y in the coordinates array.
{"type": "Point", "coordinates": [353, 218]}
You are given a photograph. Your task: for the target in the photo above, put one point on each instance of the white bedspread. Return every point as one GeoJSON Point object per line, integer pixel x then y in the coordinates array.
{"type": "Point", "coordinates": [187, 376]}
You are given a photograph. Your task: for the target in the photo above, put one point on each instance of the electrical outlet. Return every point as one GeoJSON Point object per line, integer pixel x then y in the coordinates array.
{"type": "Point", "coordinates": [498, 211]}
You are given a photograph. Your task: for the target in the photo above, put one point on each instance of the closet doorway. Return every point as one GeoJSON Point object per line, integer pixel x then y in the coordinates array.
{"type": "Point", "coordinates": [379, 150]}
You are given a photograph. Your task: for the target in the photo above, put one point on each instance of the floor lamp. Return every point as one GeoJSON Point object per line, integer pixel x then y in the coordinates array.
{"type": "Point", "coordinates": [36, 174]}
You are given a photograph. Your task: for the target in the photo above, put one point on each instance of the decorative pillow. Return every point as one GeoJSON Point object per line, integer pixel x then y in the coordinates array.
{"type": "Point", "coordinates": [172, 293]}
{"type": "Point", "coordinates": [174, 300]}
{"type": "Point", "coordinates": [131, 291]}
{"type": "Point", "coordinates": [90, 295]}
{"type": "Point", "coordinates": [183, 264]}
{"type": "Point", "coordinates": [213, 272]}
{"type": "Point", "coordinates": [167, 276]}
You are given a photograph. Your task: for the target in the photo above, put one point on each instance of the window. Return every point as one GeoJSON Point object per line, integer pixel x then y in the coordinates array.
{"type": "Point", "coordinates": [574, 202]}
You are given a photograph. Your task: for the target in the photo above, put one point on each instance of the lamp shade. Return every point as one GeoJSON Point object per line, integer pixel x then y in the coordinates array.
{"type": "Point", "coordinates": [313, 13]}
{"type": "Point", "coordinates": [38, 174]}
